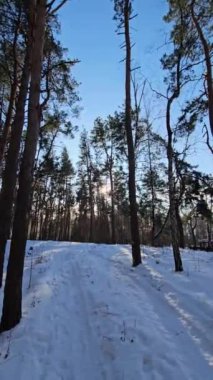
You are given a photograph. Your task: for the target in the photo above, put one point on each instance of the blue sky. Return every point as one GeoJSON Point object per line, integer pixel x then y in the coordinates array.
{"type": "Point", "coordinates": [88, 31]}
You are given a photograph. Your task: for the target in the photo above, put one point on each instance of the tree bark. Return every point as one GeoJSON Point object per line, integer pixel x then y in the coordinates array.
{"type": "Point", "coordinates": [10, 173]}
{"type": "Point", "coordinates": [207, 53]}
{"type": "Point", "coordinates": [136, 254]}
{"type": "Point", "coordinates": [152, 190]}
{"type": "Point", "coordinates": [91, 195]}
{"type": "Point", "coordinates": [172, 200]}
{"type": "Point", "coordinates": [7, 124]}
{"type": "Point", "coordinates": [113, 240]}
{"type": "Point", "coordinates": [12, 310]}
{"type": "Point", "coordinates": [180, 227]}
{"type": "Point", "coordinates": [13, 92]}
{"type": "Point", "coordinates": [91, 205]}
{"type": "Point", "coordinates": [194, 240]}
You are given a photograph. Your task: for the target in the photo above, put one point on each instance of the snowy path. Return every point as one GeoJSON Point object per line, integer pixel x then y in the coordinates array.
{"type": "Point", "coordinates": [89, 316]}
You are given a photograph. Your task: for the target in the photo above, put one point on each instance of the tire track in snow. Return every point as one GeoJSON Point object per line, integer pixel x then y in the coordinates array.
{"type": "Point", "coordinates": [149, 295]}
{"type": "Point", "coordinates": [142, 311]}
{"type": "Point", "coordinates": [98, 319]}
{"type": "Point", "coordinates": [176, 319]}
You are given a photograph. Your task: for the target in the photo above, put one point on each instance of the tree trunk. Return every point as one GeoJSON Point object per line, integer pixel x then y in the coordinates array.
{"type": "Point", "coordinates": [208, 227]}
{"type": "Point", "coordinates": [180, 227]}
{"type": "Point", "coordinates": [207, 53]}
{"type": "Point", "coordinates": [172, 200]}
{"type": "Point", "coordinates": [12, 309]}
{"type": "Point", "coordinates": [136, 254]}
{"type": "Point", "coordinates": [91, 225]}
{"type": "Point", "coordinates": [2, 106]}
{"type": "Point", "coordinates": [7, 124]}
{"type": "Point", "coordinates": [152, 190]}
{"type": "Point", "coordinates": [14, 86]}
{"type": "Point", "coordinates": [113, 240]}
{"type": "Point", "coordinates": [91, 200]}
{"type": "Point", "coordinates": [194, 240]}
{"type": "Point", "coordinates": [10, 172]}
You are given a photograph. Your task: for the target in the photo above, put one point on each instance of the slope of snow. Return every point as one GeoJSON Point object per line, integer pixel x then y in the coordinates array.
{"type": "Point", "coordinates": [88, 315]}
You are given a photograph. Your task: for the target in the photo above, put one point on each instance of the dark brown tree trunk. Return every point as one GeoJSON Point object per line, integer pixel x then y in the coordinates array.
{"type": "Point", "coordinates": [57, 224]}
{"type": "Point", "coordinates": [10, 172]}
{"type": "Point", "coordinates": [2, 100]}
{"type": "Point", "coordinates": [91, 203]}
{"type": "Point", "coordinates": [34, 218]}
{"type": "Point", "coordinates": [152, 190]}
{"type": "Point", "coordinates": [7, 124]}
{"type": "Point", "coordinates": [180, 227]}
{"type": "Point", "coordinates": [208, 227]}
{"type": "Point", "coordinates": [194, 240]}
{"type": "Point", "coordinates": [207, 54]}
{"type": "Point", "coordinates": [172, 200]}
{"type": "Point", "coordinates": [136, 253]}
{"type": "Point", "coordinates": [46, 224]}
{"type": "Point", "coordinates": [12, 310]}
{"type": "Point", "coordinates": [14, 86]}
{"type": "Point", "coordinates": [91, 196]}
{"type": "Point", "coordinates": [113, 239]}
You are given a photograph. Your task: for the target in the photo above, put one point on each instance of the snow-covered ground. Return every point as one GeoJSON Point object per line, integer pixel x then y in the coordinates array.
{"type": "Point", "coordinates": [88, 315]}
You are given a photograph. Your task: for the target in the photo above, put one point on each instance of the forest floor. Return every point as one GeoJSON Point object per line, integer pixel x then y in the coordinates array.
{"type": "Point", "coordinates": [88, 315]}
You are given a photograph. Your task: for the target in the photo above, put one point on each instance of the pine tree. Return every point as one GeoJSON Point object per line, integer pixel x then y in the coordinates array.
{"type": "Point", "coordinates": [10, 171]}
{"type": "Point", "coordinates": [86, 173]}
{"type": "Point", "coordinates": [12, 33]}
{"type": "Point", "coordinates": [102, 140]}
{"type": "Point", "coordinates": [55, 75]}
{"type": "Point", "coordinates": [195, 18]}
{"type": "Point", "coordinates": [123, 14]}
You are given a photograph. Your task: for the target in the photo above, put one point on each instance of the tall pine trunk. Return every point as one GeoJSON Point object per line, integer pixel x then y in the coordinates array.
{"type": "Point", "coordinates": [172, 200]}
{"type": "Point", "coordinates": [152, 189]}
{"type": "Point", "coordinates": [193, 234]}
{"type": "Point", "coordinates": [180, 227]}
{"type": "Point", "coordinates": [8, 120]}
{"type": "Point", "coordinates": [207, 54]}
{"type": "Point", "coordinates": [10, 172]}
{"type": "Point", "coordinates": [13, 92]}
{"type": "Point", "coordinates": [136, 254]}
{"type": "Point", "coordinates": [12, 310]}
{"type": "Point", "coordinates": [91, 196]}
{"type": "Point", "coordinates": [91, 206]}
{"type": "Point", "coordinates": [113, 238]}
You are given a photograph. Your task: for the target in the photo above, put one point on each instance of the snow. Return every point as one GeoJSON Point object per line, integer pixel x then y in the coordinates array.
{"type": "Point", "coordinates": [88, 315]}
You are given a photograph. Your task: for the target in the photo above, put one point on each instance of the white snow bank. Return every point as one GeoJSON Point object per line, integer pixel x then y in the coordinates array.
{"type": "Point", "coordinates": [89, 316]}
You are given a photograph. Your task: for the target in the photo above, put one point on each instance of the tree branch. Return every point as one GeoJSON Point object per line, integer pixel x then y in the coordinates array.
{"type": "Point", "coordinates": [58, 7]}
{"type": "Point", "coordinates": [206, 134]}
